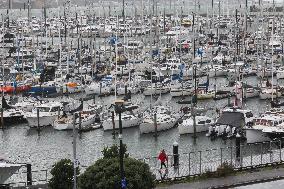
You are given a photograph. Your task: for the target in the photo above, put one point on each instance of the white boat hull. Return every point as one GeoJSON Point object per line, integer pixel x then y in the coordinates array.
{"type": "Point", "coordinates": [149, 127]}
{"type": "Point", "coordinates": [43, 121]}
{"type": "Point", "coordinates": [280, 75]}
{"type": "Point", "coordinates": [256, 135]}
{"type": "Point", "coordinates": [177, 93]}
{"type": "Point", "coordinates": [67, 123]}
{"type": "Point", "coordinates": [154, 91]}
{"type": "Point", "coordinates": [189, 129]}
{"type": "Point", "coordinates": [108, 125]}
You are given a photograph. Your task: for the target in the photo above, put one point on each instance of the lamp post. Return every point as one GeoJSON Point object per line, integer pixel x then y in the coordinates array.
{"type": "Point", "coordinates": [119, 109]}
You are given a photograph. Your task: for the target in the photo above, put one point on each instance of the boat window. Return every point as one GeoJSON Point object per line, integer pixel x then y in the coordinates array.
{"type": "Point", "coordinates": [249, 114]}
{"type": "Point", "coordinates": [43, 109]}
{"type": "Point", "coordinates": [201, 122]}
{"type": "Point", "coordinates": [208, 121]}
{"type": "Point", "coordinates": [54, 109]}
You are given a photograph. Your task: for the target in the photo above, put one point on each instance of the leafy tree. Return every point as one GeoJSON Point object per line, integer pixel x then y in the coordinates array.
{"type": "Point", "coordinates": [62, 174]}
{"type": "Point", "coordinates": [113, 151]}
{"type": "Point", "coordinates": [105, 173]}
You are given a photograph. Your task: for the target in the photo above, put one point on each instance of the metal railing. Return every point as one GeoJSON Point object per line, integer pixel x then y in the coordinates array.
{"type": "Point", "coordinates": [199, 162]}
{"type": "Point", "coordinates": [19, 178]}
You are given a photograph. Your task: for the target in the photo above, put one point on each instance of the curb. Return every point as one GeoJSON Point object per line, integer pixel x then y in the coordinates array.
{"type": "Point", "coordinates": [248, 183]}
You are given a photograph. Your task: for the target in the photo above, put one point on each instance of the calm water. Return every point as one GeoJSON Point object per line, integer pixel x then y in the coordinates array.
{"type": "Point", "coordinates": [22, 144]}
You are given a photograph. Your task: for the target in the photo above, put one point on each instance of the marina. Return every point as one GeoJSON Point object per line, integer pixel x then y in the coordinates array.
{"type": "Point", "coordinates": [203, 76]}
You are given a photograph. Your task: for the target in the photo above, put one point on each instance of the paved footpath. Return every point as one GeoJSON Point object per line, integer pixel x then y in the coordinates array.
{"type": "Point", "coordinates": [232, 181]}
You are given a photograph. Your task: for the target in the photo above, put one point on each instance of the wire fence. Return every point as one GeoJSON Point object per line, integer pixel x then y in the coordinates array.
{"type": "Point", "coordinates": [193, 163]}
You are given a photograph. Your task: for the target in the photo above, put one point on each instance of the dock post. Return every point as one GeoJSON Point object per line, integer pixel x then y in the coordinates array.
{"type": "Point", "coordinates": [94, 99]}
{"type": "Point", "coordinates": [29, 175]}
{"type": "Point", "coordinates": [100, 88]}
{"type": "Point", "coordinates": [175, 154]}
{"type": "Point", "coordinates": [155, 125]}
{"type": "Point", "coordinates": [2, 119]}
{"type": "Point", "coordinates": [238, 146]}
{"type": "Point", "coordinates": [113, 124]}
{"type": "Point", "coordinates": [58, 113]}
{"type": "Point", "coordinates": [125, 90]}
{"type": "Point", "coordinates": [80, 121]}
{"type": "Point", "coordinates": [37, 115]}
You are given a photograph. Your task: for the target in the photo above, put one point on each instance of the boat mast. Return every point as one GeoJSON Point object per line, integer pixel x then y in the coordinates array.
{"type": "Point", "coordinates": [272, 53]}
{"type": "Point", "coordinates": [116, 57]}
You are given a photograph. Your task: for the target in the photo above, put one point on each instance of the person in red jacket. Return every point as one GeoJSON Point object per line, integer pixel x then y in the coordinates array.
{"type": "Point", "coordinates": [163, 158]}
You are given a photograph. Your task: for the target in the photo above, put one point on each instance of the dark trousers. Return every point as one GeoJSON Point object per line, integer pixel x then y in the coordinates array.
{"type": "Point", "coordinates": [163, 164]}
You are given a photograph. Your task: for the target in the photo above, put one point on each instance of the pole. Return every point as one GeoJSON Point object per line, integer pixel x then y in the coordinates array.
{"type": "Point", "coordinates": [80, 122]}
{"type": "Point", "coordinates": [29, 175]}
{"type": "Point", "coordinates": [155, 124]}
{"type": "Point", "coordinates": [113, 124]}
{"type": "Point", "coordinates": [74, 152]}
{"type": "Point", "coordinates": [175, 154]}
{"type": "Point", "coordinates": [37, 115]}
{"type": "Point", "coordinates": [193, 104]}
{"type": "Point", "coordinates": [2, 119]}
{"type": "Point", "coordinates": [121, 153]}
{"type": "Point", "coordinates": [238, 147]}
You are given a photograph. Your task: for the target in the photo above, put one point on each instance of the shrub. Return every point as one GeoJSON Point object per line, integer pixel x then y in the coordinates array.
{"type": "Point", "coordinates": [62, 174]}
{"type": "Point", "coordinates": [224, 169]}
{"type": "Point", "coordinates": [113, 151]}
{"type": "Point", "coordinates": [105, 173]}
{"type": "Point", "coordinates": [207, 174]}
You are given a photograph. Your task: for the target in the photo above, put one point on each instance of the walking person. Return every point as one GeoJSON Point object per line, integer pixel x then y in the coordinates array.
{"type": "Point", "coordinates": [163, 158]}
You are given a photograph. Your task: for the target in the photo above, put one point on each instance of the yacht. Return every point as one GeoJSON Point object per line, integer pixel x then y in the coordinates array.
{"type": "Point", "coordinates": [128, 120]}
{"type": "Point", "coordinates": [231, 120]}
{"type": "Point", "coordinates": [44, 114]}
{"type": "Point", "coordinates": [268, 93]}
{"type": "Point", "coordinates": [203, 94]}
{"type": "Point", "coordinates": [165, 120]}
{"type": "Point", "coordinates": [156, 89]}
{"type": "Point", "coordinates": [280, 73]}
{"type": "Point", "coordinates": [100, 88]}
{"type": "Point", "coordinates": [264, 126]}
{"type": "Point", "coordinates": [65, 122]}
{"type": "Point", "coordinates": [202, 124]}
{"type": "Point", "coordinates": [181, 89]}
{"type": "Point", "coordinates": [11, 115]}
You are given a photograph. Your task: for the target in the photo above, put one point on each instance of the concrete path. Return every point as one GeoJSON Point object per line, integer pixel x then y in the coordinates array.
{"type": "Point", "coordinates": [232, 181]}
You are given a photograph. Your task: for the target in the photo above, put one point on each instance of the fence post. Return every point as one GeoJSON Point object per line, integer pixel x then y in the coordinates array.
{"type": "Point", "coordinates": [189, 163]}
{"type": "Point", "coordinates": [250, 155]}
{"type": "Point", "coordinates": [200, 162]}
{"type": "Point", "coordinates": [231, 155]}
{"type": "Point", "coordinates": [260, 153]}
{"type": "Point", "coordinates": [280, 158]}
{"type": "Point", "coordinates": [29, 175]}
{"type": "Point", "coordinates": [241, 156]}
{"type": "Point", "coordinates": [270, 152]}
{"type": "Point", "coordinates": [238, 147]}
{"type": "Point", "coordinates": [221, 156]}
{"type": "Point", "coordinates": [46, 179]}
{"type": "Point", "coordinates": [175, 154]}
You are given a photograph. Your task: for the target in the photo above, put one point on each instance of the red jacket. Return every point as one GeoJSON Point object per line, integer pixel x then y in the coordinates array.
{"type": "Point", "coordinates": [163, 157]}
